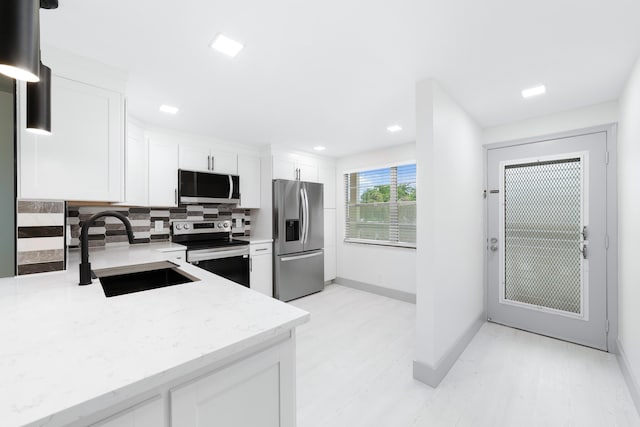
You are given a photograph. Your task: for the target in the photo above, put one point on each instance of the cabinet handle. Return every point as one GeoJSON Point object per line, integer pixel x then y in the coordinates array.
{"type": "Point", "coordinates": [176, 196]}
{"type": "Point", "coordinates": [208, 162]}
{"type": "Point", "coordinates": [213, 163]}
{"type": "Point", "coordinates": [250, 264]}
{"type": "Point", "coordinates": [263, 249]}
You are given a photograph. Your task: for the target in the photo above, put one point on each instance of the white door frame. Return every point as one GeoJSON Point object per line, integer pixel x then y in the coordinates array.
{"type": "Point", "coordinates": [611, 217]}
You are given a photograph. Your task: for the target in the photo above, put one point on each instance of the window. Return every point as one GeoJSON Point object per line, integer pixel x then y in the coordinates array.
{"type": "Point", "coordinates": [381, 206]}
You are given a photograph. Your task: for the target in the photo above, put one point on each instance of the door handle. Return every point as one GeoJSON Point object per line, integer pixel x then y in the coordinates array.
{"type": "Point", "coordinates": [583, 251]}
{"type": "Point", "coordinates": [293, 258]}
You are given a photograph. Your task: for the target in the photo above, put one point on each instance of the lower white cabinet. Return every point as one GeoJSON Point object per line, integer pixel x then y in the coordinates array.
{"type": "Point", "coordinates": [147, 414]}
{"type": "Point", "coordinates": [261, 268]}
{"type": "Point", "coordinates": [257, 391]}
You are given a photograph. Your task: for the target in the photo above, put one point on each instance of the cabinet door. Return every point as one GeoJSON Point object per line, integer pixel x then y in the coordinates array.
{"type": "Point", "coordinates": [83, 158]}
{"type": "Point", "coordinates": [258, 391]}
{"type": "Point", "coordinates": [224, 162]}
{"type": "Point", "coordinates": [261, 278]}
{"type": "Point", "coordinates": [137, 166]}
{"type": "Point", "coordinates": [308, 169]}
{"type": "Point", "coordinates": [249, 171]}
{"type": "Point", "coordinates": [327, 176]}
{"type": "Point", "coordinates": [150, 413]}
{"type": "Point", "coordinates": [163, 173]}
{"type": "Point", "coordinates": [195, 158]}
{"type": "Point", "coordinates": [330, 252]}
{"type": "Point", "coordinates": [284, 167]}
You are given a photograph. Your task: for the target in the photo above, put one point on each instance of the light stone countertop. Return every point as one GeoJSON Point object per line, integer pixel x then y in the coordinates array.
{"type": "Point", "coordinates": [254, 240]}
{"type": "Point", "coordinates": [64, 344]}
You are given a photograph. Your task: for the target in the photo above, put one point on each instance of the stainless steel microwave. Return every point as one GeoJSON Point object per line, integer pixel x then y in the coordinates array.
{"type": "Point", "coordinates": [204, 187]}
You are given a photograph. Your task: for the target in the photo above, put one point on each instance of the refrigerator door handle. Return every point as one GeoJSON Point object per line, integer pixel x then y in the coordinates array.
{"type": "Point", "coordinates": [293, 258]}
{"type": "Point", "coordinates": [306, 220]}
{"type": "Point", "coordinates": [304, 216]}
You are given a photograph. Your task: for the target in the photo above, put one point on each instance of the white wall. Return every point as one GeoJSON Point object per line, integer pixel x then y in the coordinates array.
{"type": "Point", "coordinates": [629, 223]}
{"type": "Point", "coordinates": [580, 118]}
{"type": "Point", "coordinates": [388, 267]}
{"type": "Point", "coordinates": [450, 291]}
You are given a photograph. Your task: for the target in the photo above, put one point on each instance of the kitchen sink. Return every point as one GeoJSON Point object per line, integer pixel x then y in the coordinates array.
{"type": "Point", "coordinates": [141, 277]}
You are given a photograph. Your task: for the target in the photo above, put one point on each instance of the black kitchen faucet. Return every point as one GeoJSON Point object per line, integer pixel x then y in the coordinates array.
{"type": "Point", "coordinates": [85, 265]}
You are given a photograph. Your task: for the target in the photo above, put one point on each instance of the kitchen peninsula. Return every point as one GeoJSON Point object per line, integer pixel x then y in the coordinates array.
{"type": "Point", "coordinates": [205, 351]}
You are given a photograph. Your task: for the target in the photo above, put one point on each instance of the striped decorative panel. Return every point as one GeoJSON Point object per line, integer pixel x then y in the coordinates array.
{"type": "Point", "coordinates": [41, 237]}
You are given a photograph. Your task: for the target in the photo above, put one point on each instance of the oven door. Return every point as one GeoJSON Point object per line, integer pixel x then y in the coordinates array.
{"type": "Point", "coordinates": [232, 265]}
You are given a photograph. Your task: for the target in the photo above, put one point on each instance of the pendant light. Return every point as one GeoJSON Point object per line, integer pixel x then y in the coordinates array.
{"type": "Point", "coordinates": [20, 39]}
{"type": "Point", "coordinates": [39, 103]}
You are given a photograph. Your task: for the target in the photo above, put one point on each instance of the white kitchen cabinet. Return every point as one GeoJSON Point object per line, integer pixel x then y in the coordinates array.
{"type": "Point", "coordinates": [206, 159]}
{"type": "Point", "coordinates": [249, 172]}
{"type": "Point", "coordinates": [295, 167]}
{"type": "Point", "coordinates": [257, 391]}
{"type": "Point", "coordinates": [136, 175]}
{"type": "Point", "coordinates": [261, 268]}
{"type": "Point", "coordinates": [83, 158]}
{"type": "Point", "coordinates": [330, 252]}
{"type": "Point", "coordinates": [327, 176]}
{"type": "Point", "coordinates": [163, 173]}
{"type": "Point", "coordinates": [150, 413]}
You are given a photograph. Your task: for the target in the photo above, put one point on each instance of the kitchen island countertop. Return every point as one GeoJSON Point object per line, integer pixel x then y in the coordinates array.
{"type": "Point", "coordinates": [64, 344]}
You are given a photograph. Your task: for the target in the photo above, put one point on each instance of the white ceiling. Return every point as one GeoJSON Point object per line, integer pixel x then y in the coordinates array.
{"type": "Point", "coordinates": [338, 72]}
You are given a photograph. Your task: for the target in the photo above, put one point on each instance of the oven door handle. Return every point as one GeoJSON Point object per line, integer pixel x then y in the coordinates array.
{"type": "Point", "coordinates": [205, 256]}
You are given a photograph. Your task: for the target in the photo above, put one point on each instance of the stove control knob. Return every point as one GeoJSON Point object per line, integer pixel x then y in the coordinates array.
{"type": "Point", "coordinates": [219, 225]}
{"type": "Point", "coordinates": [187, 226]}
{"type": "Point", "coordinates": [179, 226]}
{"type": "Point", "coordinates": [226, 225]}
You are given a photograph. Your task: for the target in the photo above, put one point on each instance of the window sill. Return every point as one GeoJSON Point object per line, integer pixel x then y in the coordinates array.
{"type": "Point", "coordinates": [380, 243]}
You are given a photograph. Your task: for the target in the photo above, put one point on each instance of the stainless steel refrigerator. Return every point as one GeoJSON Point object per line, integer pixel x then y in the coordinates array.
{"type": "Point", "coordinates": [298, 236]}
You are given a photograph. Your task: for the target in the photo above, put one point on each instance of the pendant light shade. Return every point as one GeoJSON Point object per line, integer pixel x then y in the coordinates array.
{"type": "Point", "coordinates": [39, 103]}
{"type": "Point", "coordinates": [20, 39]}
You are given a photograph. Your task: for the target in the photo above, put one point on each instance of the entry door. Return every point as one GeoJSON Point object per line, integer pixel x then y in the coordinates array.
{"type": "Point", "coordinates": [546, 238]}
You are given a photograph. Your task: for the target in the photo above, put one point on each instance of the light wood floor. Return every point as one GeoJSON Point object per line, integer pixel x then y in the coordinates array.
{"type": "Point", "coordinates": [355, 369]}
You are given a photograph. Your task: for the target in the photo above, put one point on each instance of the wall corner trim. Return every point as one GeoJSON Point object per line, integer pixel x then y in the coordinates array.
{"type": "Point", "coordinates": [375, 289]}
{"type": "Point", "coordinates": [627, 373]}
{"type": "Point", "coordinates": [433, 376]}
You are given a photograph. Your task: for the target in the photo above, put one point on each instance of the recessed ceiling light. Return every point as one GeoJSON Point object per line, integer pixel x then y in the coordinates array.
{"type": "Point", "coordinates": [319, 148]}
{"type": "Point", "coordinates": [226, 45]}
{"type": "Point", "coordinates": [394, 128]}
{"type": "Point", "coordinates": [169, 109]}
{"type": "Point", "coordinates": [534, 91]}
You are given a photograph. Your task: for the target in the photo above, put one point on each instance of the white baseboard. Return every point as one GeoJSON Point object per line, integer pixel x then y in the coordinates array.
{"type": "Point", "coordinates": [375, 289]}
{"type": "Point", "coordinates": [629, 377]}
{"type": "Point", "coordinates": [433, 376]}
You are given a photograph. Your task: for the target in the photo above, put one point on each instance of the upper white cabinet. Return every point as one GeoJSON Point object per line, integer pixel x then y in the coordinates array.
{"type": "Point", "coordinates": [295, 167]}
{"type": "Point", "coordinates": [249, 172]}
{"type": "Point", "coordinates": [163, 172]}
{"type": "Point", "coordinates": [136, 188]}
{"type": "Point", "coordinates": [207, 159]}
{"type": "Point", "coordinates": [83, 158]}
{"type": "Point", "coordinates": [327, 176]}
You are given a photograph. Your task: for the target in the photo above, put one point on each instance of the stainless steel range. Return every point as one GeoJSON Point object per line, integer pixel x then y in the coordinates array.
{"type": "Point", "coordinates": [211, 247]}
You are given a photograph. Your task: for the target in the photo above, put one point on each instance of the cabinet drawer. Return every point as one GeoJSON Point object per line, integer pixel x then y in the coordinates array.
{"type": "Point", "coordinates": [260, 249]}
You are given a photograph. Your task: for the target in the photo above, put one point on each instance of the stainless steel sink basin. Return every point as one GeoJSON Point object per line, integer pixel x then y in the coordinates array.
{"type": "Point", "coordinates": [141, 277]}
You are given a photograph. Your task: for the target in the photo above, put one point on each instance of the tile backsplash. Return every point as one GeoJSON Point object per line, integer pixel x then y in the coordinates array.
{"type": "Point", "coordinates": [111, 232]}
{"type": "Point", "coordinates": [40, 236]}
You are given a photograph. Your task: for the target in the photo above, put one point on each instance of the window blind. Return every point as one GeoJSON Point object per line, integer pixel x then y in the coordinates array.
{"type": "Point", "coordinates": [380, 206]}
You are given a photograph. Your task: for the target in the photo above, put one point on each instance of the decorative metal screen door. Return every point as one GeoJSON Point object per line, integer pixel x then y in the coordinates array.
{"type": "Point", "coordinates": [546, 238]}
